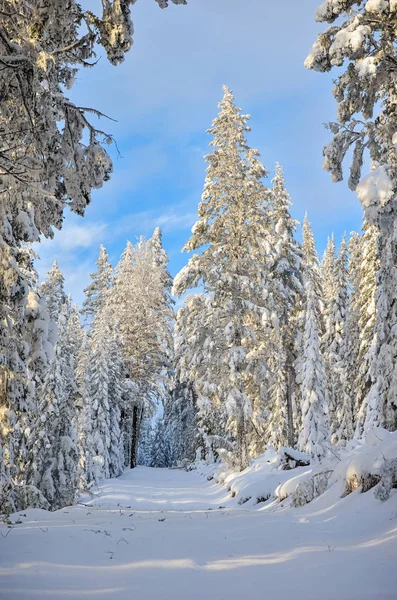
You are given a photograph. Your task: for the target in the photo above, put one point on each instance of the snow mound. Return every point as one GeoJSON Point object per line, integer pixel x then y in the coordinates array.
{"type": "Point", "coordinates": [275, 476]}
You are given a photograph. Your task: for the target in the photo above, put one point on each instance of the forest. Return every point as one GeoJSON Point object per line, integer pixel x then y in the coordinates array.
{"type": "Point", "coordinates": [258, 351]}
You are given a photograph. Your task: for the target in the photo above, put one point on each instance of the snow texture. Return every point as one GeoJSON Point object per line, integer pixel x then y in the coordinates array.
{"type": "Point", "coordinates": [171, 534]}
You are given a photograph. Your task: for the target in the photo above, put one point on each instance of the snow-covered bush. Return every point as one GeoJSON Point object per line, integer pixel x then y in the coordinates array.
{"type": "Point", "coordinates": [388, 479]}
{"type": "Point", "coordinates": [310, 488]}
{"type": "Point", "coordinates": [365, 465]}
{"type": "Point", "coordinates": [277, 476]}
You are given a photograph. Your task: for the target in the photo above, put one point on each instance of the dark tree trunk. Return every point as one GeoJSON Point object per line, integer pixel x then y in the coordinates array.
{"type": "Point", "coordinates": [134, 437]}
{"type": "Point", "coordinates": [290, 416]}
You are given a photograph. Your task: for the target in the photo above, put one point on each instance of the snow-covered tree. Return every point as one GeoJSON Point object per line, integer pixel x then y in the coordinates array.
{"type": "Point", "coordinates": [144, 317]}
{"type": "Point", "coordinates": [287, 274]}
{"type": "Point", "coordinates": [160, 451]}
{"type": "Point", "coordinates": [335, 352]}
{"type": "Point", "coordinates": [311, 267]}
{"type": "Point", "coordinates": [101, 282]}
{"type": "Point", "coordinates": [53, 290]}
{"type": "Point", "coordinates": [54, 450]}
{"type": "Point", "coordinates": [51, 154]}
{"type": "Point", "coordinates": [98, 385]}
{"type": "Point", "coordinates": [180, 424]}
{"type": "Point", "coordinates": [225, 343]}
{"type": "Point", "coordinates": [328, 273]}
{"type": "Point", "coordinates": [367, 411]}
{"type": "Point", "coordinates": [353, 382]}
{"type": "Point", "coordinates": [362, 40]}
{"type": "Point", "coordinates": [191, 342]}
{"type": "Point", "coordinates": [40, 337]}
{"type": "Point", "coordinates": [146, 443]}
{"type": "Point", "coordinates": [314, 434]}
{"type": "Point", "coordinates": [115, 390]}
{"type": "Point", "coordinates": [83, 425]}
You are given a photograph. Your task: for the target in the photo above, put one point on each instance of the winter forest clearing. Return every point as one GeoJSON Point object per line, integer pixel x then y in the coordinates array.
{"type": "Point", "coordinates": [226, 418]}
{"type": "Point", "coordinates": [168, 533]}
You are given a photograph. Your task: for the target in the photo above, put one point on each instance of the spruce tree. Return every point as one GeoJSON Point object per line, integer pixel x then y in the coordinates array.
{"type": "Point", "coordinates": [368, 407]}
{"type": "Point", "coordinates": [84, 445]}
{"type": "Point", "coordinates": [314, 434]}
{"type": "Point", "coordinates": [287, 274]}
{"type": "Point", "coordinates": [98, 386]}
{"type": "Point", "coordinates": [115, 390]}
{"type": "Point", "coordinates": [226, 342]}
{"type": "Point", "coordinates": [54, 452]}
{"type": "Point", "coordinates": [335, 352]}
{"type": "Point", "coordinates": [311, 268]}
{"type": "Point", "coordinates": [101, 282]}
{"type": "Point", "coordinates": [328, 274]}
{"type": "Point", "coordinates": [180, 423]}
{"type": "Point", "coordinates": [353, 323]}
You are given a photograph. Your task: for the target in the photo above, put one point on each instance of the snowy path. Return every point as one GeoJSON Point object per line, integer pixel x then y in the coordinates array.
{"type": "Point", "coordinates": [151, 535]}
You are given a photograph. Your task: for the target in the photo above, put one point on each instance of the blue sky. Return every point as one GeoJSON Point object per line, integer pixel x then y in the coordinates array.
{"type": "Point", "coordinates": [165, 95]}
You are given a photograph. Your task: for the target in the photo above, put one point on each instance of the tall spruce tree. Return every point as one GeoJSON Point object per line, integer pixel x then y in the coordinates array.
{"type": "Point", "coordinates": [98, 389]}
{"type": "Point", "coordinates": [369, 413]}
{"type": "Point", "coordinates": [287, 275]}
{"type": "Point", "coordinates": [101, 282]}
{"type": "Point", "coordinates": [83, 426]}
{"type": "Point", "coordinates": [335, 351]}
{"type": "Point", "coordinates": [54, 452]}
{"type": "Point", "coordinates": [353, 323]}
{"type": "Point", "coordinates": [311, 268]}
{"type": "Point", "coordinates": [328, 274]}
{"type": "Point", "coordinates": [232, 234]}
{"type": "Point", "coordinates": [314, 434]}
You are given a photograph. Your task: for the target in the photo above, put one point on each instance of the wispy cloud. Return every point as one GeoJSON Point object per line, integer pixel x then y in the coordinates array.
{"type": "Point", "coordinates": [73, 236]}
{"type": "Point", "coordinates": [145, 222]}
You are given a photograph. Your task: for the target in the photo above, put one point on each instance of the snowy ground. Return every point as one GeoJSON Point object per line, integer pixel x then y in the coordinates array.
{"type": "Point", "coordinates": [170, 535]}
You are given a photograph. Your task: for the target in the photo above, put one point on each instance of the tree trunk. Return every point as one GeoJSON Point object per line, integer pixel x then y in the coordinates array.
{"type": "Point", "coordinates": [134, 437]}
{"type": "Point", "coordinates": [290, 416]}
{"type": "Point", "coordinates": [242, 450]}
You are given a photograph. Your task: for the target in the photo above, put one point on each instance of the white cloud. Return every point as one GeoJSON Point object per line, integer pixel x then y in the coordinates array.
{"type": "Point", "coordinates": [73, 236]}
{"type": "Point", "coordinates": [144, 222]}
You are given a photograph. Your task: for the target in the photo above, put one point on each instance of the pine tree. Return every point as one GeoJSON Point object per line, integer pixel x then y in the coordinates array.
{"type": "Point", "coordinates": [180, 424]}
{"type": "Point", "coordinates": [314, 435]}
{"type": "Point", "coordinates": [54, 451]}
{"type": "Point", "coordinates": [328, 274]}
{"type": "Point", "coordinates": [160, 454]}
{"type": "Point", "coordinates": [115, 390]}
{"type": "Point", "coordinates": [335, 351]}
{"type": "Point", "coordinates": [226, 342]}
{"type": "Point", "coordinates": [52, 289]}
{"type": "Point", "coordinates": [287, 276]}
{"type": "Point", "coordinates": [311, 268]}
{"type": "Point", "coordinates": [98, 385]}
{"type": "Point", "coordinates": [144, 320]}
{"type": "Point", "coordinates": [146, 443]}
{"type": "Point", "coordinates": [40, 337]}
{"type": "Point", "coordinates": [83, 426]}
{"type": "Point", "coordinates": [353, 323]}
{"type": "Point", "coordinates": [97, 291]}
{"type": "Point", "coordinates": [366, 377]}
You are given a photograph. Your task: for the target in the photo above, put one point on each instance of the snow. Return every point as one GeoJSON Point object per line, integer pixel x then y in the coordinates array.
{"type": "Point", "coordinates": [377, 5]}
{"type": "Point", "coordinates": [171, 534]}
{"type": "Point", "coordinates": [366, 67]}
{"type": "Point", "coordinates": [375, 190]}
